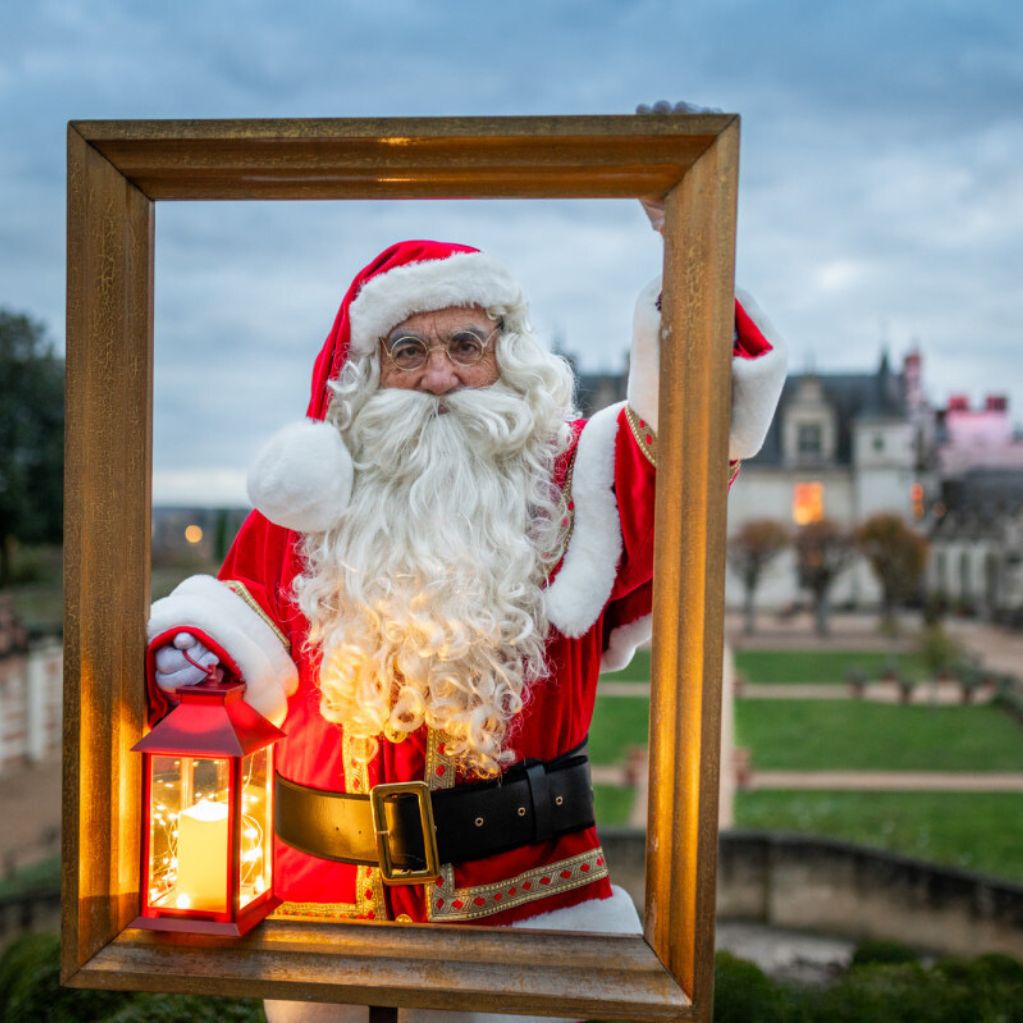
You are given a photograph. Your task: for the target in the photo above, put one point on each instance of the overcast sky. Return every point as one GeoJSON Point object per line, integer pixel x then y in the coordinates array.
{"type": "Point", "coordinates": [881, 186]}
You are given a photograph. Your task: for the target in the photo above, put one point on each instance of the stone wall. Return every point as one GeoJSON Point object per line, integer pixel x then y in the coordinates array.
{"type": "Point", "coordinates": [845, 890]}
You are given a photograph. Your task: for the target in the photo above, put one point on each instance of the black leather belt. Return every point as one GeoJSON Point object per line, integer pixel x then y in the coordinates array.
{"type": "Point", "coordinates": [409, 831]}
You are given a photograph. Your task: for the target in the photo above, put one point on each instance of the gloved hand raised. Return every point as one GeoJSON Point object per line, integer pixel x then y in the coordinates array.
{"type": "Point", "coordinates": [653, 207]}
{"type": "Point", "coordinates": [186, 662]}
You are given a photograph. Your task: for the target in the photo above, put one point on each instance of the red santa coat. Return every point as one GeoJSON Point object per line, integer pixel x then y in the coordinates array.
{"type": "Point", "coordinates": [598, 605]}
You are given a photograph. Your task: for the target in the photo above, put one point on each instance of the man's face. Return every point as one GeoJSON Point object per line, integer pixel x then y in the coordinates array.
{"type": "Point", "coordinates": [440, 374]}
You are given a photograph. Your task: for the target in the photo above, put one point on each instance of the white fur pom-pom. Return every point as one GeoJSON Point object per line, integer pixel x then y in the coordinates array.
{"type": "Point", "coordinates": [302, 477]}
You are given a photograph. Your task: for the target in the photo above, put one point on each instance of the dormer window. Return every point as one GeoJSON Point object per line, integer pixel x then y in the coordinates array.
{"type": "Point", "coordinates": [809, 426]}
{"type": "Point", "coordinates": [809, 440]}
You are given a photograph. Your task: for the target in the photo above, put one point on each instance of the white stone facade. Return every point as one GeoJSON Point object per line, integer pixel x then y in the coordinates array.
{"type": "Point", "coordinates": [31, 700]}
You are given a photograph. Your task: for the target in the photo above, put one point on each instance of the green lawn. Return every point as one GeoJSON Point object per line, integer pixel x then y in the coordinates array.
{"type": "Point", "coordinates": [974, 831]}
{"type": "Point", "coordinates": [613, 804]}
{"type": "Point", "coordinates": [820, 665]}
{"type": "Point", "coordinates": [637, 671]}
{"type": "Point", "coordinates": [618, 722]}
{"type": "Point", "coordinates": [856, 735]}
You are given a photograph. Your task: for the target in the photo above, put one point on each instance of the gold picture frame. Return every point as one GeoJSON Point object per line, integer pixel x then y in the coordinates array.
{"type": "Point", "coordinates": [117, 172]}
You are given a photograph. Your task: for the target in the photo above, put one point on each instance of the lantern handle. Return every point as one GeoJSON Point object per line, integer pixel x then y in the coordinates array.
{"type": "Point", "coordinates": [213, 672]}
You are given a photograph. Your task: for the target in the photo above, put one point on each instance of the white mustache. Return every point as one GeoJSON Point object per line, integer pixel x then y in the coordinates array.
{"type": "Point", "coordinates": [397, 428]}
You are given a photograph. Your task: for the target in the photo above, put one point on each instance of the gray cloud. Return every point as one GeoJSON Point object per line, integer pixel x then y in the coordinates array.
{"type": "Point", "coordinates": [880, 190]}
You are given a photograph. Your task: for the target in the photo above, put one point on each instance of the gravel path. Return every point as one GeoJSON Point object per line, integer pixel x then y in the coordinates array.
{"type": "Point", "coordinates": [943, 693]}
{"type": "Point", "coordinates": [887, 781]}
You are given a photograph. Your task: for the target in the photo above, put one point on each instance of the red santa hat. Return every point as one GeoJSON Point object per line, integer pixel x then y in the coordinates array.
{"type": "Point", "coordinates": [302, 477]}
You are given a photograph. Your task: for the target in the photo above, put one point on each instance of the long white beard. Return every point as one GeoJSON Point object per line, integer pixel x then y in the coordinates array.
{"type": "Point", "coordinates": [426, 599]}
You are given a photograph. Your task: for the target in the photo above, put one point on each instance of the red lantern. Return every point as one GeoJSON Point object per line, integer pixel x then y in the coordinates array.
{"type": "Point", "coordinates": [207, 811]}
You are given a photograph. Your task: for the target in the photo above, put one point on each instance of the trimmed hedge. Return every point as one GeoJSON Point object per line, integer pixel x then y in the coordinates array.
{"type": "Point", "coordinates": [30, 992]}
{"type": "Point", "coordinates": [885, 984]}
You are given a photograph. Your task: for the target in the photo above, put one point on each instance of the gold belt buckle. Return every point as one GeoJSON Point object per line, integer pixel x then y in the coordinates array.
{"type": "Point", "coordinates": [390, 874]}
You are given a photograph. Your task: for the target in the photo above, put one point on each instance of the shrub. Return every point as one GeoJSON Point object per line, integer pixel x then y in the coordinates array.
{"type": "Point", "coordinates": [879, 951]}
{"type": "Point", "coordinates": [937, 649]}
{"type": "Point", "coordinates": [188, 1009]}
{"type": "Point", "coordinates": [892, 993]}
{"type": "Point", "coordinates": [30, 992]}
{"type": "Point", "coordinates": [744, 993]}
{"type": "Point", "coordinates": [856, 679]}
{"type": "Point", "coordinates": [906, 687]}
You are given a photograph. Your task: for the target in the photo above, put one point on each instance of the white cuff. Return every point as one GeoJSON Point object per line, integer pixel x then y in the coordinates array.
{"type": "Point", "coordinates": [756, 382]}
{"type": "Point", "coordinates": [756, 388]}
{"type": "Point", "coordinates": [204, 603]}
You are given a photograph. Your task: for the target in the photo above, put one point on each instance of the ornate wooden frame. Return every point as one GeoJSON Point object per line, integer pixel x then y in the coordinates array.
{"type": "Point", "coordinates": [117, 171]}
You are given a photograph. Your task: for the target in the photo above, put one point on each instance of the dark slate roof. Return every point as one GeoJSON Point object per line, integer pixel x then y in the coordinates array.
{"type": "Point", "coordinates": [983, 494]}
{"type": "Point", "coordinates": [853, 395]}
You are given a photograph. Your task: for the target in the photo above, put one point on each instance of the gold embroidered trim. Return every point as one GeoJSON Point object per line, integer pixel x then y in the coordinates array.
{"type": "Point", "coordinates": [241, 590]}
{"type": "Point", "coordinates": [643, 434]}
{"type": "Point", "coordinates": [365, 906]}
{"type": "Point", "coordinates": [318, 911]}
{"type": "Point", "coordinates": [446, 902]}
{"type": "Point", "coordinates": [369, 889]}
{"type": "Point", "coordinates": [569, 500]}
{"type": "Point", "coordinates": [440, 768]}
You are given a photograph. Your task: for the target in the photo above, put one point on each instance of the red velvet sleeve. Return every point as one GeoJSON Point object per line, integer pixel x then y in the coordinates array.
{"type": "Point", "coordinates": [262, 559]}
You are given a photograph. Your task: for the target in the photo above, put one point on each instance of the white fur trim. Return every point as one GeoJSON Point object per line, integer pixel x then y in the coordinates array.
{"type": "Point", "coordinates": [615, 915]}
{"type": "Point", "coordinates": [205, 603]}
{"type": "Point", "coordinates": [464, 278]}
{"type": "Point", "coordinates": [302, 477]}
{"type": "Point", "coordinates": [583, 586]}
{"type": "Point", "coordinates": [756, 383]}
{"type": "Point", "coordinates": [645, 359]}
{"type": "Point", "coordinates": [622, 643]}
{"type": "Point", "coordinates": [756, 388]}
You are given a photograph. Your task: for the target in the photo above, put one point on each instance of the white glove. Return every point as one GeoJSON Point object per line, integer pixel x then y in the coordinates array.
{"type": "Point", "coordinates": [186, 662]}
{"type": "Point", "coordinates": [654, 207]}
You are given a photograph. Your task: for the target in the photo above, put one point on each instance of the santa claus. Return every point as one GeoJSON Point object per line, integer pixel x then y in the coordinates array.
{"type": "Point", "coordinates": [441, 560]}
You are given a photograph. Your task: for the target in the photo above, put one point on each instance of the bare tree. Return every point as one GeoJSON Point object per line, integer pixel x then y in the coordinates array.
{"type": "Point", "coordinates": [897, 554]}
{"type": "Point", "coordinates": [823, 551]}
{"type": "Point", "coordinates": [752, 547]}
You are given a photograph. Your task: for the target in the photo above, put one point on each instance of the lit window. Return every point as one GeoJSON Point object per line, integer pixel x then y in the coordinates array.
{"type": "Point", "coordinates": [808, 439]}
{"type": "Point", "coordinates": [193, 533]}
{"type": "Point", "coordinates": [807, 503]}
{"type": "Point", "coordinates": [916, 495]}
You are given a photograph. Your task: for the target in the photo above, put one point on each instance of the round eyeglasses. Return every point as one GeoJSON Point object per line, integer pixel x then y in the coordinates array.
{"type": "Point", "coordinates": [465, 346]}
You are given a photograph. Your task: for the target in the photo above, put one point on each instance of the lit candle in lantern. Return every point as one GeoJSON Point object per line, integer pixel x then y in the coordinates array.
{"type": "Point", "coordinates": [202, 856]}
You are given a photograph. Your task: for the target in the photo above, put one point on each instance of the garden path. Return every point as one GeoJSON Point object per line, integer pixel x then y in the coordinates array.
{"type": "Point", "coordinates": [944, 693]}
{"type": "Point", "coordinates": [999, 649]}
{"type": "Point", "coordinates": [887, 781]}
